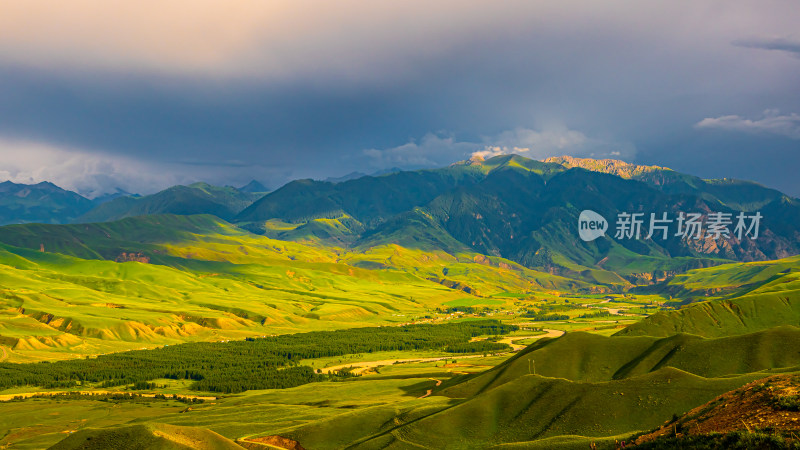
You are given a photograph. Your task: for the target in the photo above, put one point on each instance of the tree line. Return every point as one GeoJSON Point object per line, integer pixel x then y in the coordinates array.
{"type": "Point", "coordinates": [254, 363]}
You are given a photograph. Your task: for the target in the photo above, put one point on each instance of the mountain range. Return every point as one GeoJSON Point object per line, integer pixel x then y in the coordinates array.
{"type": "Point", "coordinates": [47, 203]}
{"type": "Point", "coordinates": [507, 206]}
{"type": "Point", "coordinates": [527, 211]}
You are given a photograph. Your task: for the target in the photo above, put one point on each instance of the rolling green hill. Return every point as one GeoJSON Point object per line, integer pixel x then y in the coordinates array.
{"type": "Point", "coordinates": [527, 409]}
{"type": "Point", "coordinates": [580, 356]}
{"type": "Point", "coordinates": [148, 436]}
{"type": "Point", "coordinates": [731, 299]}
{"type": "Point", "coordinates": [55, 306]}
{"type": "Point", "coordinates": [585, 388]}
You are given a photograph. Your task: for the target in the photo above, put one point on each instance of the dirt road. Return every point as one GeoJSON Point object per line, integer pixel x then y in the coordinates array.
{"type": "Point", "coordinates": [5, 354]}
{"type": "Point", "coordinates": [361, 366]}
{"type": "Point", "coordinates": [430, 391]}
{"type": "Point", "coordinates": [517, 347]}
{"type": "Point", "coordinates": [7, 397]}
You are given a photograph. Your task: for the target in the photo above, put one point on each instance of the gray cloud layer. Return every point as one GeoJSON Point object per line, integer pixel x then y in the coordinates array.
{"type": "Point", "coordinates": [772, 122]}
{"type": "Point", "coordinates": [155, 94]}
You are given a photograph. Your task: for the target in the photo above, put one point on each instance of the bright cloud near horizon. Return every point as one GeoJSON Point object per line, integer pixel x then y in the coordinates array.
{"type": "Point", "coordinates": [100, 95]}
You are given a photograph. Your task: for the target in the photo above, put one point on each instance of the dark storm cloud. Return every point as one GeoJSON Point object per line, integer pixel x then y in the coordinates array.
{"type": "Point", "coordinates": [421, 85]}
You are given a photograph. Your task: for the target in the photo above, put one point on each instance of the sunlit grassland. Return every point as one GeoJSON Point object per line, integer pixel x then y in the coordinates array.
{"type": "Point", "coordinates": [38, 423]}
{"type": "Point", "coordinates": [63, 304]}
{"type": "Point", "coordinates": [519, 406]}
{"type": "Point", "coordinates": [209, 280]}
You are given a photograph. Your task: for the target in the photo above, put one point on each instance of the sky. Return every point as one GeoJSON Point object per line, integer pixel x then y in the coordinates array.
{"type": "Point", "coordinates": [97, 95]}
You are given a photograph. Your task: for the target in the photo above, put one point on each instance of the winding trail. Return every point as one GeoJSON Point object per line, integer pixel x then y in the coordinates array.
{"type": "Point", "coordinates": [517, 347]}
{"type": "Point", "coordinates": [430, 391]}
{"type": "Point", "coordinates": [361, 366]}
{"type": "Point", "coordinates": [5, 353]}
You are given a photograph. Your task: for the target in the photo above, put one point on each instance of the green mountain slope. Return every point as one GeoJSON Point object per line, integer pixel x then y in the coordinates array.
{"type": "Point", "coordinates": [108, 240]}
{"type": "Point", "coordinates": [369, 200]}
{"type": "Point", "coordinates": [198, 198]}
{"type": "Point", "coordinates": [526, 211]}
{"type": "Point", "coordinates": [750, 313]}
{"type": "Point", "coordinates": [737, 194]}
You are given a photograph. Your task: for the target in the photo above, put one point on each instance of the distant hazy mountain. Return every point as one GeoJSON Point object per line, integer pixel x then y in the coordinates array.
{"type": "Point", "coordinates": [112, 195]}
{"type": "Point", "coordinates": [197, 198]}
{"type": "Point", "coordinates": [253, 187]}
{"type": "Point", "coordinates": [43, 202]}
{"type": "Point", "coordinates": [356, 175]}
{"type": "Point", "coordinates": [348, 177]}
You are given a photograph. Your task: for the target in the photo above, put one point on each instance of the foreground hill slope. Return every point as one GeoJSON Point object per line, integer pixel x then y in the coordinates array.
{"type": "Point", "coordinates": [529, 408]}
{"type": "Point", "coordinates": [582, 356]}
{"type": "Point", "coordinates": [148, 436]}
{"type": "Point", "coordinates": [767, 404]}
{"type": "Point", "coordinates": [566, 392]}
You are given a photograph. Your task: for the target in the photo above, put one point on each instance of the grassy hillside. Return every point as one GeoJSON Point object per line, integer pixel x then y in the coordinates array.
{"type": "Point", "coordinates": [765, 410]}
{"type": "Point", "coordinates": [109, 240]}
{"type": "Point", "coordinates": [723, 317]}
{"type": "Point", "coordinates": [149, 436]}
{"type": "Point", "coordinates": [726, 280]}
{"type": "Point", "coordinates": [742, 298]}
{"type": "Point", "coordinates": [532, 407]}
{"type": "Point", "coordinates": [582, 356]}
{"type": "Point", "coordinates": [165, 279]}
{"type": "Point", "coordinates": [58, 304]}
